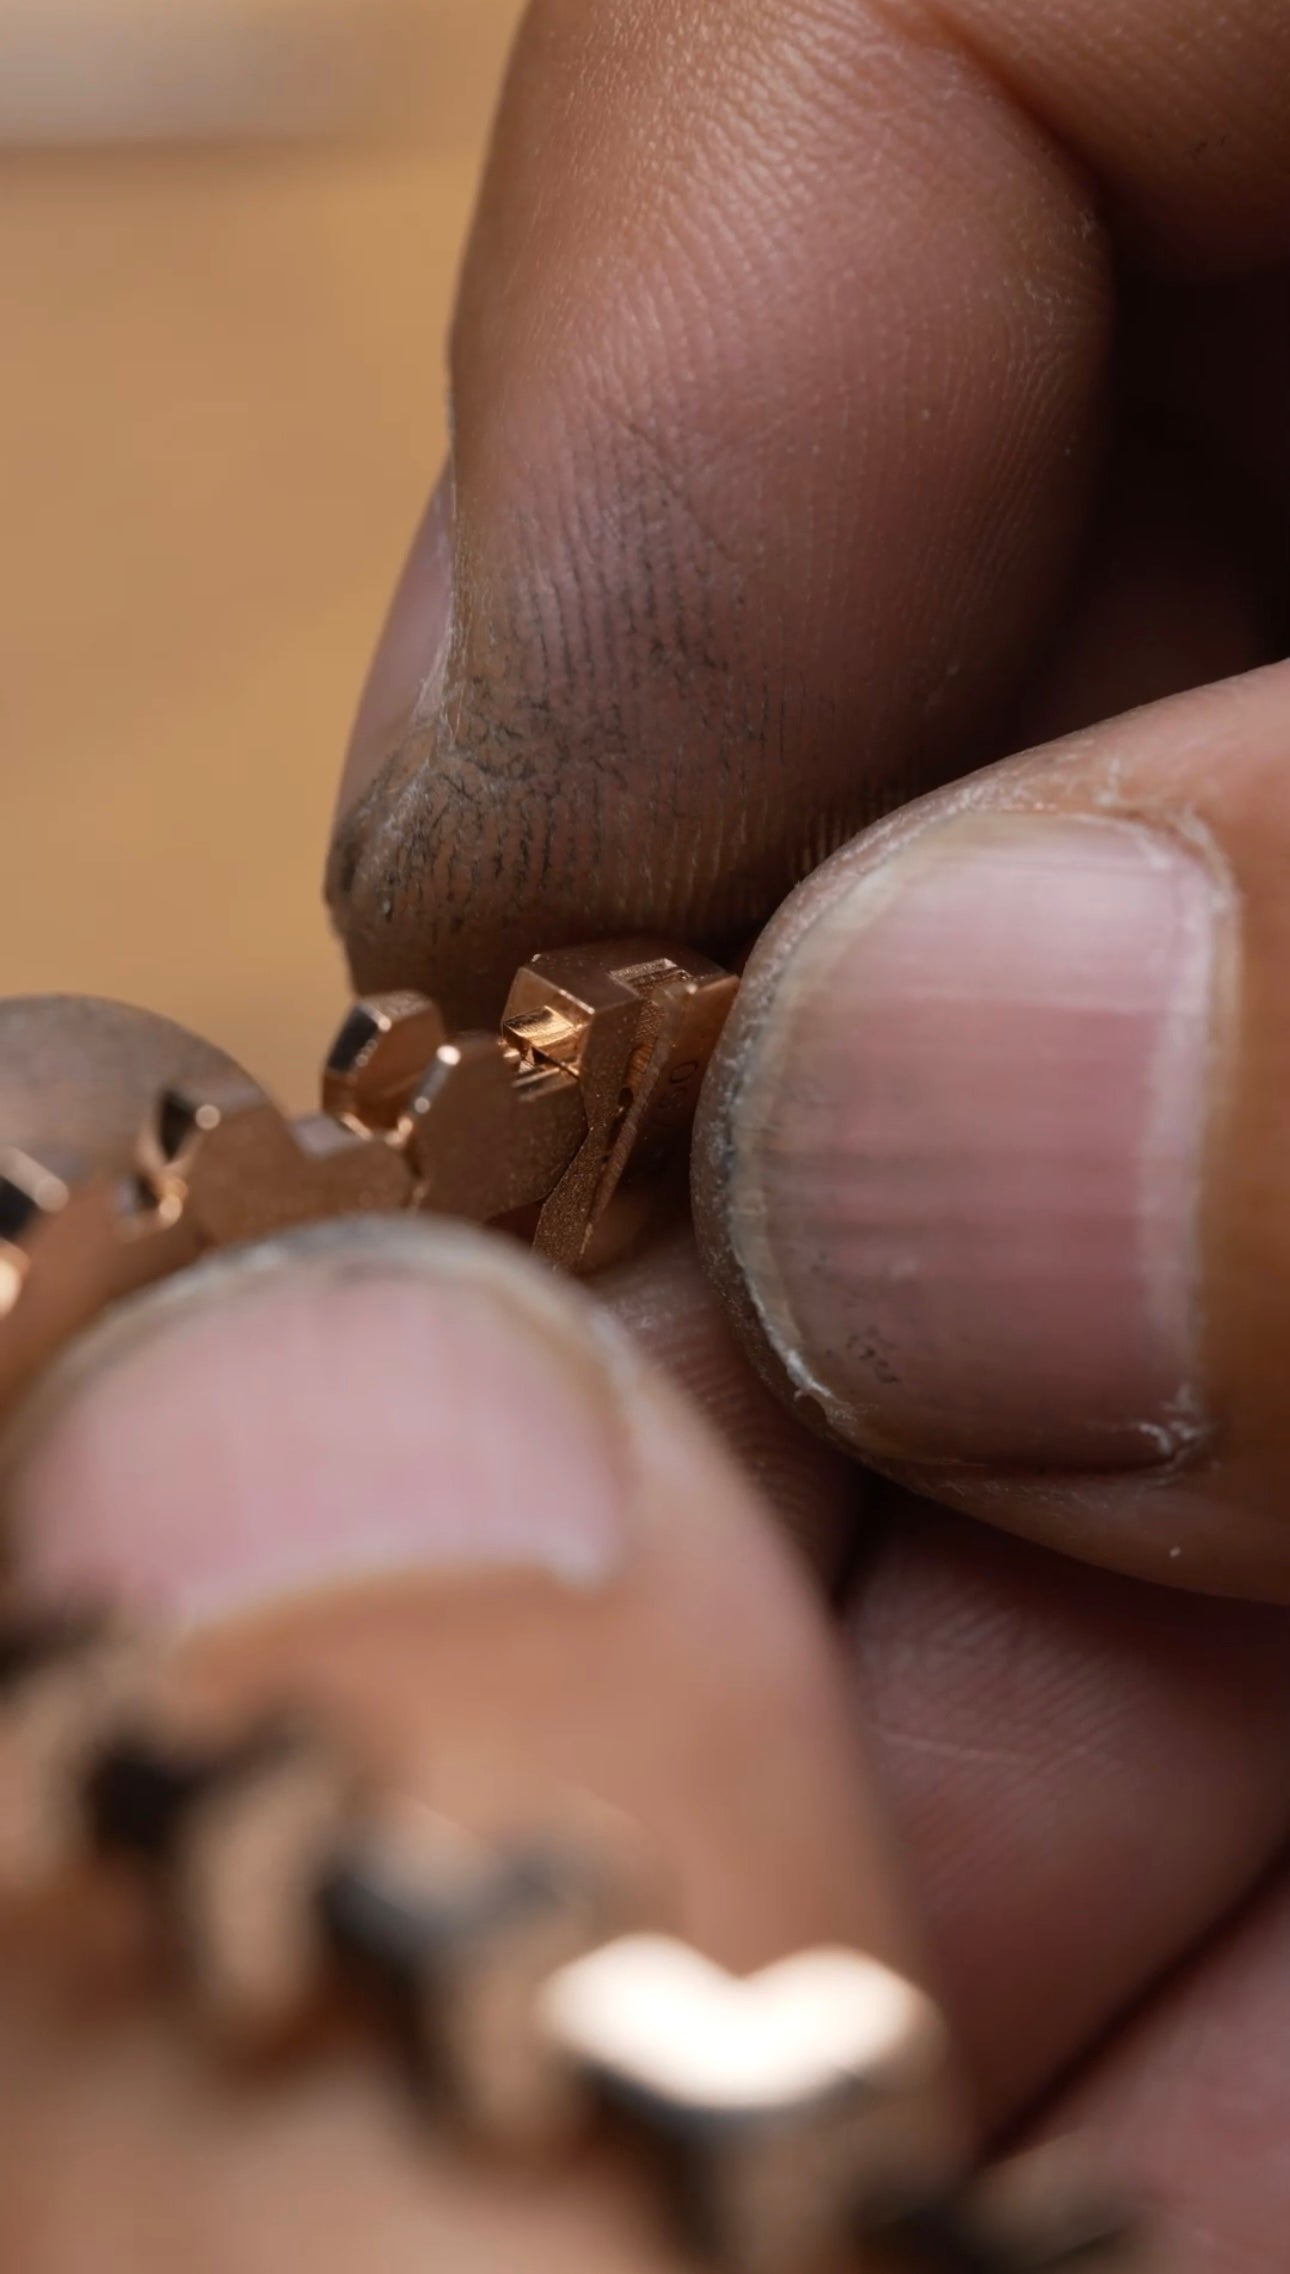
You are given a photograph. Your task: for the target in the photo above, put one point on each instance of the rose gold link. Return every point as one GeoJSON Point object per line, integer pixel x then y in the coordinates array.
{"type": "Point", "coordinates": [241, 1171]}
{"type": "Point", "coordinates": [487, 1133]}
{"type": "Point", "coordinates": [74, 1243]}
{"type": "Point", "coordinates": [245, 1875]}
{"type": "Point", "coordinates": [640, 1014]}
{"type": "Point", "coordinates": [380, 1057]}
{"type": "Point", "coordinates": [788, 2096]}
{"type": "Point", "coordinates": [53, 1721]}
{"type": "Point", "coordinates": [594, 1076]}
{"type": "Point", "coordinates": [472, 1908]}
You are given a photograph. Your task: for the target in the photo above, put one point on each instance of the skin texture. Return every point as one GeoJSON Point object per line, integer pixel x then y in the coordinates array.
{"type": "Point", "coordinates": [1207, 766]}
{"type": "Point", "coordinates": [673, 1666]}
{"type": "Point", "coordinates": [599, 657]}
{"type": "Point", "coordinates": [842, 395]}
{"type": "Point", "coordinates": [751, 547]}
{"type": "Point", "coordinates": [648, 1566]}
{"type": "Point", "coordinates": [671, 1311]}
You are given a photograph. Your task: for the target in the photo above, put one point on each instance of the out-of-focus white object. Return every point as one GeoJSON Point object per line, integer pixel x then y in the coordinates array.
{"type": "Point", "coordinates": [86, 71]}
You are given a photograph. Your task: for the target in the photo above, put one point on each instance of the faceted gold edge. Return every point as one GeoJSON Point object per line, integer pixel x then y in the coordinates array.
{"type": "Point", "coordinates": [589, 1082]}
{"type": "Point", "coordinates": [510, 1940]}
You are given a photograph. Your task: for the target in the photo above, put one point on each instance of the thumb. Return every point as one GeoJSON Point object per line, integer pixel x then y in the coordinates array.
{"type": "Point", "coordinates": [993, 1163]}
{"type": "Point", "coordinates": [398, 1471]}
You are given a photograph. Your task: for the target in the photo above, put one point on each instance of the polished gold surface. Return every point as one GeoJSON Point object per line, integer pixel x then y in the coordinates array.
{"type": "Point", "coordinates": [540, 1126]}
{"type": "Point", "coordinates": [495, 1937]}
{"type": "Point", "coordinates": [379, 1056]}
{"type": "Point", "coordinates": [636, 1022]}
{"type": "Point", "coordinates": [243, 1872]}
{"type": "Point", "coordinates": [221, 410]}
{"type": "Point", "coordinates": [478, 1925]}
{"type": "Point", "coordinates": [229, 1162]}
{"type": "Point", "coordinates": [56, 1699]}
{"type": "Point", "coordinates": [71, 1242]}
{"type": "Point", "coordinates": [793, 2096]}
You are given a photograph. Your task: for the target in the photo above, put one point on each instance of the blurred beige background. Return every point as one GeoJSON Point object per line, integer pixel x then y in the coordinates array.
{"type": "Point", "coordinates": [221, 409]}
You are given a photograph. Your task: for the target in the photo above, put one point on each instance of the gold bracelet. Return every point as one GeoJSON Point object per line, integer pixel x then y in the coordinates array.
{"type": "Point", "coordinates": [521, 1963]}
{"type": "Point", "coordinates": [544, 1126]}
{"type": "Point", "coordinates": [518, 1951]}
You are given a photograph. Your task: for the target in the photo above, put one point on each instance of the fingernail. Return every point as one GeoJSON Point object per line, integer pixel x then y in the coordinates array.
{"type": "Point", "coordinates": [407, 668]}
{"type": "Point", "coordinates": [970, 1138]}
{"type": "Point", "coordinates": [360, 1399]}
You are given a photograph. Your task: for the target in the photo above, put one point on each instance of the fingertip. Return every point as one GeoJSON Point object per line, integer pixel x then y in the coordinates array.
{"type": "Point", "coordinates": [407, 668]}
{"type": "Point", "coordinates": [967, 1145]}
{"type": "Point", "coordinates": [402, 1471]}
{"type": "Point", "coordinates": [321, 1411]}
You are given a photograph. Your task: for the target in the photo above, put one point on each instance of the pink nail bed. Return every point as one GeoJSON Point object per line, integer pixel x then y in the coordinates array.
{"type": "Point", "coordinates": [332, 1421]}
{"type": "Point", "coordinates": [968, 1191]}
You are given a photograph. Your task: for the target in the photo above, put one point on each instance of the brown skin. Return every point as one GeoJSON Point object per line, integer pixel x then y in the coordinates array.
{"type": "Point", "coordinates": [693, 1685]}
{"type": "Point", "coordinates": [719, 597]}
{"type": "Point", "coordinates": [1210, 764]}
{"type": "Point", "coordinates": [685, 1684]}
{"type": "Point", "coordinates": [698, 633]}
{"type": "Point", "coordinates": [733, 596]}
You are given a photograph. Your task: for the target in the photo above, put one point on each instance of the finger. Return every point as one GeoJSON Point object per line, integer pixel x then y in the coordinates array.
{"type": "Point", "coordinates": [1170, 595]}
{"type": "Point", "coordinates": [1192, 2098]}
{"type": "Point", "coordinates": [668, 1306]}
{"type": "Point", "coordinates": [398, 1471]}
{"type": "Point", "coordinates": [412, 655]}
{"type": "Point", "coordinates": [771, 439]}
{"type": "Point", "coordinates": [1145, 100]}
{"type": "Point", "coordinates": [993, 1163]}
{"type": "Point", "coordinates": [1086, 1775]}
{"type": "Point", "coordinates": [1183, 575]}
{"type": "Point", "coordinates": [1206, 367]}
{"type": "Point", "coordinates": [83, 1075]}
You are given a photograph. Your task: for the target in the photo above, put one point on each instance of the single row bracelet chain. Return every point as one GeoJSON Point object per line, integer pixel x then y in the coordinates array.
{"type": "Point", "coordinates": [545, 1126]}
{"type": "Point", "coordinates": [519, 1946]}
{"type": "Point", "coordinates": [514, 1940]}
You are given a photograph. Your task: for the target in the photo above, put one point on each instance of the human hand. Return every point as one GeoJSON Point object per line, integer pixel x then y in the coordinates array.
{"type": "Point", "coordinates": [689, 418]}
{"type": "Point", "coordinates": [880, 391]}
